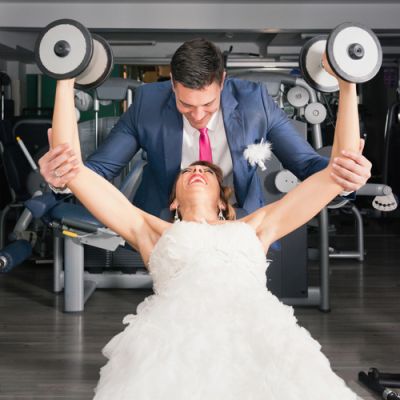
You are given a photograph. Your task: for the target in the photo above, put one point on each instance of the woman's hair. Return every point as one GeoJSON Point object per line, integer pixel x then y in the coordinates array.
{"type": "Point", "coordinates": [197, 63]}
{"type": "Point", "coordinates": [225, 192]}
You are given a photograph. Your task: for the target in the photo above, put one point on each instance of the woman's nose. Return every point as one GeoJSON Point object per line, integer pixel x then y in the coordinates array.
{"type": "Point", "coordinates": [198, 169]}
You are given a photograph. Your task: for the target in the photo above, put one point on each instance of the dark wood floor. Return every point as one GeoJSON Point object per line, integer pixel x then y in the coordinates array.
{"type": "Point", "coordinates": [46, 354]}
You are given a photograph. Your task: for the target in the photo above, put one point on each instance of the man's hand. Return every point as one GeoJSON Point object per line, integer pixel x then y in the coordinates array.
{"type": "Point", "coordinates": [59, 165]}
{"type": "Point", "coordinates": [351, 170]}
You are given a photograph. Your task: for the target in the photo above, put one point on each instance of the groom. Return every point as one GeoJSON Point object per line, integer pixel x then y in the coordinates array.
{"type": "Point", "coordinates": [201, 113]}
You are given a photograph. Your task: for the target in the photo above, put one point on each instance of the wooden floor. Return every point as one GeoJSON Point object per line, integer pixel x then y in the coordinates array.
{"type": "Point", "coordinates": [46, 354]}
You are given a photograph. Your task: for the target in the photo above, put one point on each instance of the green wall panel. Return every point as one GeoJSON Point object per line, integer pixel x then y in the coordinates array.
{"type": "Point", "coordinates": [48, 92]}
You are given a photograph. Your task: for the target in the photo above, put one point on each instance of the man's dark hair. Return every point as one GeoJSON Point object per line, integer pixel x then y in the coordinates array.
{"type": "Point", "coordinates": [197, 63]}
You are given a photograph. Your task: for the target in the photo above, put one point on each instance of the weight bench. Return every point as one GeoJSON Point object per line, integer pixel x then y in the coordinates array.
{"type": "Point", "coordinates": [74, 227]}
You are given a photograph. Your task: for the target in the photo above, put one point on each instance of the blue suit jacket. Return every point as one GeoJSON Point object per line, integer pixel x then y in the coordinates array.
{"type": "Point", "coordinates": [154, 124]}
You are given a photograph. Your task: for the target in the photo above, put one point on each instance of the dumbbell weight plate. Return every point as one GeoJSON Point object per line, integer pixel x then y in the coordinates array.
{"type": "Point", "coordinates": [100, 66]}
{"type": "Point", "coordinates": [311, 66]}
{"type": "Point", "coordinates": [354, 52]}
{"type": "Point", "coordinates": [63, 49]}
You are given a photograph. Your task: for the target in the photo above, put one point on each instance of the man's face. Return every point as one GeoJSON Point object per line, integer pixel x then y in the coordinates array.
{"type": "Point", "coordinates": [198, 105]}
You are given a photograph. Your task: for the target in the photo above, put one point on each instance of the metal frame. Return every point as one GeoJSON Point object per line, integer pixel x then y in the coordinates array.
{"type": "Point", "coordinates": [79, 285]}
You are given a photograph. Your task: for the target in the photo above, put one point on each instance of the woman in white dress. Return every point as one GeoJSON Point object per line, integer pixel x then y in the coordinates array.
{"type": "Point", "coordinates": [211, 330]}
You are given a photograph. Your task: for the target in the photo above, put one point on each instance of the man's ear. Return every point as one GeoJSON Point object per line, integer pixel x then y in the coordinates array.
{"type": "Point", "coordinates": [172, 82]}
{"type": "Point", "coordinates": [174, 205]}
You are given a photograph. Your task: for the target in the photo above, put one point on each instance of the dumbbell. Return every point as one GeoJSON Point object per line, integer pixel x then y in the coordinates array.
{"type": "Point", "coordinates": [66, 49]}
{"type": "Point", "coordinates": [353, 52]}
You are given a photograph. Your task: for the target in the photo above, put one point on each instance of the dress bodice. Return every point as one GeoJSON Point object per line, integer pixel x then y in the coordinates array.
{"type": "Point", "coordinates": [201, 249]}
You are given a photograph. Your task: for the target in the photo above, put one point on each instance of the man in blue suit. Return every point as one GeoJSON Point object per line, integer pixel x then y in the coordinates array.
{"type": "Point", "coordinates": [165, 121]}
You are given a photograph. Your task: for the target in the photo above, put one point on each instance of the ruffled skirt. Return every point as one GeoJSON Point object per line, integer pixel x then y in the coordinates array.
{"type": "Point", "coordinates": [196, 340]}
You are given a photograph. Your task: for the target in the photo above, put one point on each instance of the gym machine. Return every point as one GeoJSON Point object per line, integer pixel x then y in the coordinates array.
{"type": "Point", "coordinates": [90, 57]}
{"type": "Point", "coordinates": [301, 95]}
{"type": "Point", "coordinates": [390, 170]}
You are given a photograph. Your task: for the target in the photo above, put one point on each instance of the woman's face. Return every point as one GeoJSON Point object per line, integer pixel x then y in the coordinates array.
{"type": "Point", "coordinates": [198, 181]}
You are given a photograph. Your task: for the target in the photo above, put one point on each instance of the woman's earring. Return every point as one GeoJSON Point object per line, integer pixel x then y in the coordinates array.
{"type": "Point", "coordinates": [221, 215]}
{"type": "Point", "coordinates": [176, 216]}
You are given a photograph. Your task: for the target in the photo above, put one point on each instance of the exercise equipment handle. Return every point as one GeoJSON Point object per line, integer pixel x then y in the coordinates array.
{"type": "Point", "coordinates": [14, 254]}
{"type": "Point", "coordinates": [26, 153]}
{"type": "Point", "coordinates": [84, 226]}
{"type": "Point", "coordinates": [374, 189]}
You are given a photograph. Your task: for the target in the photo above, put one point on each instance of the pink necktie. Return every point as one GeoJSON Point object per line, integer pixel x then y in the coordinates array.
{"type": "Point", "coordinates": [204, 145]}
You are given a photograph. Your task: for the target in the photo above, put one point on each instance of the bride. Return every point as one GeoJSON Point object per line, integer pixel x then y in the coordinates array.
{"type": "Point", "coordinates": [211, 330]}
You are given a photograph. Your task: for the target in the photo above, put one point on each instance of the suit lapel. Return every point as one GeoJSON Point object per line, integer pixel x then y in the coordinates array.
{"type": "Point", "coordinates": [233, 121]}
{"type": "Point", "coordinates": [172, 136]}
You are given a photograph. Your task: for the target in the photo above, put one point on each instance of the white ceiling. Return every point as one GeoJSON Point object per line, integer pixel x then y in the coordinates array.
{"type": "Point", "coordinates": [143, 32]}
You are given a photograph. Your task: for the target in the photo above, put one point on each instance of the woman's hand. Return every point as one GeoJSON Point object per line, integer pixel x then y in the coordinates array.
{"type": "Point", "coordinates": [327, 67]}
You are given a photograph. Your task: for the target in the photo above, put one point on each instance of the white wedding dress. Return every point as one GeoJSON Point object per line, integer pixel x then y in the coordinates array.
{"type": "Point", "coordinates": [212, 331]}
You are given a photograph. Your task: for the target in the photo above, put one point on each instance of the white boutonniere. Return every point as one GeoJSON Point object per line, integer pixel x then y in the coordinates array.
{"type": "Point", "coordinates": [258, 153]}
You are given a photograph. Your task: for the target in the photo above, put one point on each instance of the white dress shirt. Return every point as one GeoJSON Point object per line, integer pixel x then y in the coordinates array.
{"type": "Point", "coordinates": [221, 154]}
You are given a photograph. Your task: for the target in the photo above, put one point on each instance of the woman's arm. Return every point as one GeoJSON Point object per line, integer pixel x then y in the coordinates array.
{"type": "Point", "coordinates": [100, 197]}
{"type": "Point", "coordinates": [306, 200]}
